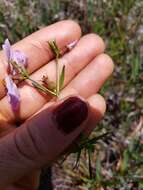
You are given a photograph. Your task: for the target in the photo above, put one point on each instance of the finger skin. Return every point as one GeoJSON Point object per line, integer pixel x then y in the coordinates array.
{"type": "Point", "coordinates": [98, 108]}
{"type": "Point", "coordinates": [74, 61]}
{"type": "Point", "coordinates": [36, 47]}
{"type": "Point", "coordinates": [91, 79]}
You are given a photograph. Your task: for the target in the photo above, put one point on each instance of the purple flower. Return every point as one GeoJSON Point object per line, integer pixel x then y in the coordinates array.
{"type": "Point", "coordinates": [72, 45]}
{"type": "Point", "coordinates": [14, 56]}
{"type": "Point", "coordinates": [12, 93]}
{"type": "Point", "coordinates": [6, 48]}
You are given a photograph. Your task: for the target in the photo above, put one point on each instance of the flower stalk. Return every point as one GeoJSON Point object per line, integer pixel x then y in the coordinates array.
{"type": "Point", "coordinates": [57, 53]}
{"type": "Point", "coordinates": [17, 71]}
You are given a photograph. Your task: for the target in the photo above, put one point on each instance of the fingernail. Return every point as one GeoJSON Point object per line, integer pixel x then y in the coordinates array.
{"type": "Point", "coordinates": [70, 114]}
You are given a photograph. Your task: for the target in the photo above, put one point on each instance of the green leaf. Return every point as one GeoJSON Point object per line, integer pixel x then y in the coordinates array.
{"type": "Point", "coordinates": [135, 67]}
{"type": "Point", "coordinates": [141, 184]}
{"type": "Point", "coordinates": [77, 160]}
{"type": "Point", "coordinates": [24, 72]}
{"type": "Point", "coordinates": [98, 169]}
{"type": "Point", "coordinates": [125, 160]}
{"type": "Point", "coordinates": [54, 47]}
{"type": "Point", "coordinates": [89, 163]}
{"type": "Point", "coordinates": [62, 77]}
{"type": "Point", "coordinates": [41, 87]}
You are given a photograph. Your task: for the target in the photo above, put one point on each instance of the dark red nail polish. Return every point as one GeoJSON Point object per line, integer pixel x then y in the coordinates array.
{"type": "Point", "coordinates": [70, 114]}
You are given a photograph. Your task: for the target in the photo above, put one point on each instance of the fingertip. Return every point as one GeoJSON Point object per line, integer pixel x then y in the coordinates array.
{"type": "Point", "coordinates": [105, 62]}
{"type": "Point", "coordinates": [71, 24]}
{"type": "Point", "coordinates": [98, 104]}
{"type": "Point", "coordinates": [96, 42]}
{"type": "Point", "coordinates": [108, 62]}
{"type": "Point", "coordinates": [97, 109]}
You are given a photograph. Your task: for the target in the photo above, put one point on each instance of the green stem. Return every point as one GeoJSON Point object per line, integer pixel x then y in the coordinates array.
{"type": "Point", "coordinates": [41, 87]}
{"type": "Point", "coordinates": [25, 74]}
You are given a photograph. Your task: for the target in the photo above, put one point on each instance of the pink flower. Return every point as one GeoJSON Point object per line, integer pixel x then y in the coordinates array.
{"type": "Point", "coordinates": [14, 56]}
{"type": "Point", "coordinates": [12, 93]}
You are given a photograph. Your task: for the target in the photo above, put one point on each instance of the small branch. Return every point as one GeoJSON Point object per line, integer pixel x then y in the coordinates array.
{"type": "Point", "coordinates": [41, 87]}
{"type": "Point", "coordinates": [54, 47]}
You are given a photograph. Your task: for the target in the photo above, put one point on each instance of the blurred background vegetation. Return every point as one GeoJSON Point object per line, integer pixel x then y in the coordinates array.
{"type": "Point", "coordinates": [116, 159]}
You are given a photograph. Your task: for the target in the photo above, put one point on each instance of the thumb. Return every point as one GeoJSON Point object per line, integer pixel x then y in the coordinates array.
{"type": "Point", "coordinates": [41, 139]}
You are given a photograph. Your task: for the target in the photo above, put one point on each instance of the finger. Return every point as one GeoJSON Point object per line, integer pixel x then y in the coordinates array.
{"type": "Point", "coordinates": [36, 47]}
{"type": "Point", "coordinates": [96, 102]}
{"type": "Point", "coordinates": [41, 139]}
{"type": "Point", "coordinates": [98, 108]}
{"type": "Point", "coordinates": [91, 79]}
{"type": "Point", "coordinates": [74, 61]}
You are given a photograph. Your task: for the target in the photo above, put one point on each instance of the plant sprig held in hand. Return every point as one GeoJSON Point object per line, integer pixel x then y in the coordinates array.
{"type": "Point", "coordinates": [17, 71]}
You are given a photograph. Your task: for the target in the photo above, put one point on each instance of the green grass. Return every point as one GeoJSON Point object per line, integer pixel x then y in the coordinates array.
{"type": "Point", "coordinates": [117, 21]}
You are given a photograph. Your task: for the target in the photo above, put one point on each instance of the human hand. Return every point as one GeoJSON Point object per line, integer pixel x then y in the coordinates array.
{"type": "Point", "coordinates": [47, 128]}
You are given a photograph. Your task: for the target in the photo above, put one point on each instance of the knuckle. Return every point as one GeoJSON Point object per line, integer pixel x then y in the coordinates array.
{"type": "Point", "coordinates": [26, 144]}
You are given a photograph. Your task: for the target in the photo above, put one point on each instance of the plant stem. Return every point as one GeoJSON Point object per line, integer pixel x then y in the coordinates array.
{"type": "Point", "coordinates": [54, 47]}
{"type": "Point", "coordinates": [25, 74]}
{"type": "Point", "coordinates": [41, 87]}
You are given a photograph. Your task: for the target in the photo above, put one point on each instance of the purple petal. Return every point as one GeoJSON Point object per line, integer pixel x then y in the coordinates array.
{"type": "Point", "coordinates": [14, 56]}
{"type": "Point", "coordinates": [72, 45]}
{"type": "Point", "coordinates": [13, 93]}
{"type": "Point", "coordinates": [7, 49]}
{"type": "Point", "coordinates": [19, 57]}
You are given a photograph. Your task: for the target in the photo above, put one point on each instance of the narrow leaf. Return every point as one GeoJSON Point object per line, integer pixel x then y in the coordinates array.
{"type": "Point", "coordinates": [62, 77]}
{"type": "Point", "coordinates": [98, 169]}
{"type": "Point", "coordinates": [54, 47]}
{"type": "Point", "coordinates": [89, 164]}
{"type": "Point", "coordinates": [125, 160]}
{"type": "Point", "coordinates": [41, 87]}
{"type": "Point", "coordinates": [77, 160]}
